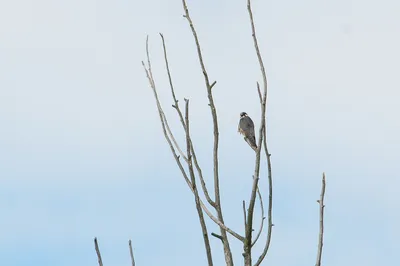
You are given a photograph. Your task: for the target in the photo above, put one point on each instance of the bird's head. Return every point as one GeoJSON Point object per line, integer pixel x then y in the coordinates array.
{"type": "Point", "coordinates": [243, 114]}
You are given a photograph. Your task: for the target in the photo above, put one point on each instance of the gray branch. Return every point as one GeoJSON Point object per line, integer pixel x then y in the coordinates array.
{"type": "Point", "coordinates": [176, 106]}
{"type": "Point", "coordinates": [195, 191]}
{"type": "Point", "coordinates": [131, 253]}
{"type": "Point", "coordinates": [244, 213]}
{"type": "Point", "coordinates": [270, 224]}
{"type": "Point", "coordinates": [262, 139]}
{"type": "Point", "coordinates": [167, 137]}
{"type": "Point", "coordinates": [96, 247]}
{"type": "Point", "coordinates": [209, 86]}
{"type": "Point", "coordinates": [262, 218]}
{"type": "Point", "coordinates": [321, 222]}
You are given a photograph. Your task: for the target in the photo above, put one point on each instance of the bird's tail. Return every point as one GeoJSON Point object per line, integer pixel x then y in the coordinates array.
{"type": "Point", "coordinates": [252, 142]}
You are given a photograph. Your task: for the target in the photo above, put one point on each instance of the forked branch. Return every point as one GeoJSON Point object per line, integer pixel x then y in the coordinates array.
{"type": "Point", "coordinates": [209, 86]}
{"type": "Point", "coordinates": [177, 158]}
{"type": "Point", "coordinates": [178, 110]}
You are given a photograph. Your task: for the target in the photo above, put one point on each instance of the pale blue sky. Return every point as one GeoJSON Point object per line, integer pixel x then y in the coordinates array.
{"type": "Point", "coordinates": [83, 155]}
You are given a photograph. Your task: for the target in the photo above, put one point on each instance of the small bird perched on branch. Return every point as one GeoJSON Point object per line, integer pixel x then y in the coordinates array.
{"type": "Point", "coordinates": [246, 128]}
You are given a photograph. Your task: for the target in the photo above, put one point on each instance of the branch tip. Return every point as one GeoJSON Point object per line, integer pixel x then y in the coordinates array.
{"type": "Point", "coordinates": [213, 84]}
{"type": "Point", "coordinates": [217, 236]}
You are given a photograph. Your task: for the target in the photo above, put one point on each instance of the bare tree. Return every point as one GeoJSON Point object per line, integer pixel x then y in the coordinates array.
{"type": "Point", "coordinates": [191, 170]}
{"type": "Point", "coordinates": [189, 158]}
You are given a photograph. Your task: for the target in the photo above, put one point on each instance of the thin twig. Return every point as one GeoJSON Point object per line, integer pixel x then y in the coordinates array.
{"type": "Point", "coordinates": [259, 92]}
{"type": "Point", "coordinates": [244, 213]}
{"type": "Point", "coordinates": [152, 83]}
{"type": "Point", "coordinates": [96, 246]}
{"type": "Point", "coordinates": [200, 172]}
{"type": "Point", "coordinates": [262, 218]}
{"type": "Point", "coordinates": [227, 249]}
{"type": "Point", "coordinates": [131, 253]}
{"type": "Point", "coordinates": [195, 191]}
{"type": "Point", "coordinates": [321, 222]}
{"type": "Point", "coordinates": [162, 120]}
{"type": "Point", "coordinates": [176, 106]}
{"type": "Point", "coordinates": [217, 236]}
{"type": "Point", "coordinates": [213, 84]}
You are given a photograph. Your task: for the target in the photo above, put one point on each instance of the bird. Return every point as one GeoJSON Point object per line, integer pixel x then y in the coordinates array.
{"type": "Point", "coordinates": [246, 128]}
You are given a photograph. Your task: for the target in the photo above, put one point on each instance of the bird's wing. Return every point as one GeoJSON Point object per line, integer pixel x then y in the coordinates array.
{"type": "Point", "coordinates": [246, 126]}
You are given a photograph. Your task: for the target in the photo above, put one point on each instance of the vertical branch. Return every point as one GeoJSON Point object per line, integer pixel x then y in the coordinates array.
{"type": "Point", "coordinates": [270, 224]}
{"type": "Point", "coordinates": [131, 253]}
{"type": "Point", "coordinates": [96, 246]}
{"type": "Point", "coordinates": [249, 229]}
{"type": "Point", "coordinates": [209, 86]}
{"type": "Point", "coordinates": [321, 222]}
{"type": "Point", "coordinates": [244, 213]}
{"type": "Point", "coordinates": [195, 191]}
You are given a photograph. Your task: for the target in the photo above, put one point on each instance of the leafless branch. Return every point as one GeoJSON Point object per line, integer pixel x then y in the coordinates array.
{"type": "Point", "coordinates": [321, 222]}
{"type": "Point", "coordinates": [217, 236]}
{"type": "Point", "coordinates": [176, 106]}
{"type": "Point", "coordinates": [262, 218]}
{"type": "Point", "coordinates": [184, 174]}
{"type": "Point", "coordinates": [131, 253]}
{"type": "Point", "coordinates": [149, 74]}
{"type": "Point", "coordinates": [213, 84]}
{"type": "Point", "coordinates": [195, 191]}
{"type": "Point", "coordinates": [259, 92]}
{"type": "Point", "coordinates": [200, 172]}
{"type": "Point", "coordinates": [262, 134]}
{"type": "Point", "coordinates": [244, 213]}
{"type": "Point", "coordinates": [96, 246]}
{"type": "Point", "coordinates": [227, 250]}
{"type": "Point", "coordinates": [270, 224]}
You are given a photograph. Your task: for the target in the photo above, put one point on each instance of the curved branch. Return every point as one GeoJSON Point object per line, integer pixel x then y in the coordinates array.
{"type": "Point", "coordinates": [270, 224]}
{"type": "Point", "coordinates": [262, 218]}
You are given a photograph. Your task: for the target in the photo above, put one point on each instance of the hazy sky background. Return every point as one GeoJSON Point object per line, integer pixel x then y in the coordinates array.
{"type": "Point", "coordinates": [82, 152]}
